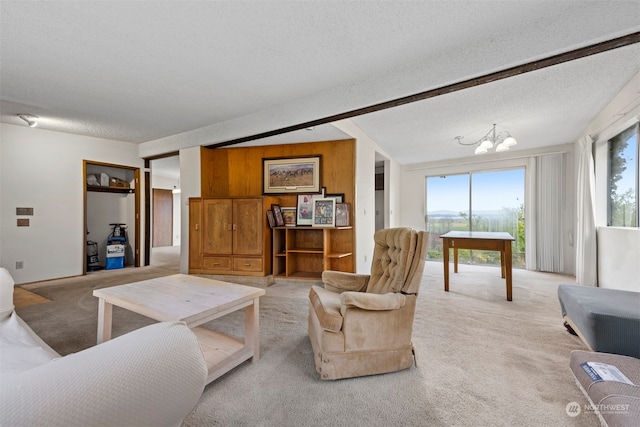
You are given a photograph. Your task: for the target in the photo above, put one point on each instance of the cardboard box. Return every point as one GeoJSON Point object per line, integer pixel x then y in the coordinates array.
{"type": "Point", "coordinates": [117, 182]}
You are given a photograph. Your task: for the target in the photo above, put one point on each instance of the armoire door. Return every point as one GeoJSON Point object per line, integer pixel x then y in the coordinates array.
{"type": "Point", "coordinates": [218, 223]}
{"type": "Point", "coordinates": [247, 226]}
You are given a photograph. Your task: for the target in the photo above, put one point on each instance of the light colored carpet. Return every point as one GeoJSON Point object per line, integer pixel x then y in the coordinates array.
{"type": "Point", "coordinates": [482, 361]}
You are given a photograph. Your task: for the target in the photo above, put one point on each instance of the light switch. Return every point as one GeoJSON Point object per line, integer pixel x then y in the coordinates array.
{"type": "Point", "coordinates": [24, 211]}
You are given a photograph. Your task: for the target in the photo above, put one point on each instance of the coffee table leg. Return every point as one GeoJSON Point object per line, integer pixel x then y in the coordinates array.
{"type": "Point", "coordinates": [252, 328]}
{"type": "Point", "coordinates": [105, 312]}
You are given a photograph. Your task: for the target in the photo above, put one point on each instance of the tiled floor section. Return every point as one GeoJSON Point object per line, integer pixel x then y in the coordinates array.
{"type": "Point", "coordinates": [24, 298]}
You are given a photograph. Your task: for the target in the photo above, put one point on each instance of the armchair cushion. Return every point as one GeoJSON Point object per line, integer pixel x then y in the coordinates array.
{"type": "Point", "coordinates": [326, 305]}
{"type": "Point", "coordinates": [339, 281]}
{"type": "Point", "coordinates": [392, 256]}
{"type": "Point", "coordinates": [388, 301]}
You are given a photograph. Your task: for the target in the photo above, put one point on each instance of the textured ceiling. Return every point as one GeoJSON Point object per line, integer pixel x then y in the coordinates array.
{"type": "Point", "coordinates": [176, 74]}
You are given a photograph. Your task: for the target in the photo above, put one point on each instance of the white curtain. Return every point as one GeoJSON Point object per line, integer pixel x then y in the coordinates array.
{"type": "Point", "coordinates": [586, 247]}
{"type": "Point", "coordinates": [550, 195]}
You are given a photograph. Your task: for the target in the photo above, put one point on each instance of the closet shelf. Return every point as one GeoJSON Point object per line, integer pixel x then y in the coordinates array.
{"type": "Point", "coordinates": [105, 189]}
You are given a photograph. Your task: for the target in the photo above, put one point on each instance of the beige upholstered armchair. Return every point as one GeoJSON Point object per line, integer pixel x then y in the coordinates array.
{"type": "Point", "coordinates": [361, 324]}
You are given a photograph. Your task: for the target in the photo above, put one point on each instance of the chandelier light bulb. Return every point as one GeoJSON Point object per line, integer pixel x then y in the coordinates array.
{"type": "Point", "coordinates": [502, 147]}
{"type": "Point", "coordinates": [486, 144]}
{"type": "Point", "coordinates": [509, 141]}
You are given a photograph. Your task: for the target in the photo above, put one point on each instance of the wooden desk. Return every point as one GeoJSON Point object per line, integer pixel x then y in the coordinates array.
{"type": "Point", "coordinates": [481, 240]}
{"type": "Point", "coordinates": [193, 300]}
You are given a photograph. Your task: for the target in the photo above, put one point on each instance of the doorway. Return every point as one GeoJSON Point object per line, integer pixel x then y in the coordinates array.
{"type": "Point", "coordinates": [111, 196]}
{"type": "Point", "coordinates": [162, 217]}
{"type": "Point", "coordinates": [382, 203]}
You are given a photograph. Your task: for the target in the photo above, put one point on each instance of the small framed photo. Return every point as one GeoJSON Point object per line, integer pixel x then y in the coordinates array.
{"type": "Point", "coordinates": [342, 214]}
{"type": "Point", "coordinates": [305, 209]}
{"type": "Point", "coordinates": [277, 213]}
{"type": "Point", "coordinates": [324, 212]}
{"type": "Point", "coordinates": [289, 216]}
{"type": "Point", "coordinates": [271, 219]}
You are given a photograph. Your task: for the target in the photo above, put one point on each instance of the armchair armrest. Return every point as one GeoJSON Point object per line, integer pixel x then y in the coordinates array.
{"type": "Point", "coordinates": [366, 301]}
{"type": "Point", "coordinates": [152, 376]}
{"type": "Point", "coordinates": [340, 281]}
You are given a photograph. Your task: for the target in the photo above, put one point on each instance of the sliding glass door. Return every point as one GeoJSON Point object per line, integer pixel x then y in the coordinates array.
{"type": "Point", "coordinates": [484, 201]}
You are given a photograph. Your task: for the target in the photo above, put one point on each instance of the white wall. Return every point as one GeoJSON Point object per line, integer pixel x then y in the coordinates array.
{"type": "Point", "coordinates": [190, 187]}
{"type": "Point", "coordinates": [618, 248]}
{"type": "Point", "coordinates": [43, 170]}
{"type": "Point", "coordinates": [380, 217]}
{"type": "Point", "coordinates": [364, 214]}
{"type": "Point", "coordinates": [618, 265]}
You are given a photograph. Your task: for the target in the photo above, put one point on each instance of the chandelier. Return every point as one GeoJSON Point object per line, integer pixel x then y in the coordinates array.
{"type": "Point", "coordinates": [501, 141]}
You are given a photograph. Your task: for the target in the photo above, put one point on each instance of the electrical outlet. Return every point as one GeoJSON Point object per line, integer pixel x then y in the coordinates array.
{"type": "Point", "coordinates": [19, 265]}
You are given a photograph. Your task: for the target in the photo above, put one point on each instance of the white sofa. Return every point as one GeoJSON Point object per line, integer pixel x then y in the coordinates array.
{"type": "Point", "coordinates": [149, 377]}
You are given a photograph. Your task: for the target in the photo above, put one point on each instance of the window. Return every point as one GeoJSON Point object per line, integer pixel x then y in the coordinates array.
{"type": "Point", "coordinates": [482, 201]}
{"type": "Point", "coordinates": [622, 189]}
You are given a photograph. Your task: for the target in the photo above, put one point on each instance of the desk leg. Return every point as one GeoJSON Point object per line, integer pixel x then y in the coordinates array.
{"type": "Point", "coordinates": [455, 259]}
{"type": "Point", "coordinates": [252, 328]}
{"type": "Point", "coordinates": [105, 316]}
{"type": "Point", "coordinates": [445, 260]}
{"type": "Point", "coordinates": [502, 266]}
{"type": "Point", "coordinates": [507, 267]}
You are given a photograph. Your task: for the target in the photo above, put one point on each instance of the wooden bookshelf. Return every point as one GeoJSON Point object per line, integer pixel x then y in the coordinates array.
{"type": "Point", "coordinates": [304, 252]}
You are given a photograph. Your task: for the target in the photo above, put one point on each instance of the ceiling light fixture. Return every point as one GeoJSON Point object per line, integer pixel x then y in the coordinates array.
{"type": "Point", "coordinates": [501, 141]}
{"type": "Point", "coordinates": [31, 120]}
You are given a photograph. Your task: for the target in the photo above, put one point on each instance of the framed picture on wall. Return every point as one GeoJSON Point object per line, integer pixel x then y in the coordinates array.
{"type": "Point", "coordinates": [277, 214]}
{"type": "Point", "coordinates": [291, 175]}
{"type": "Point", "coordinates": [324, 212]}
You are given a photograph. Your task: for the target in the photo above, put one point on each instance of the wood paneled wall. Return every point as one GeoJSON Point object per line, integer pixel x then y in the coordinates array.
{"type": "Point", "coordinates": [237, 171]}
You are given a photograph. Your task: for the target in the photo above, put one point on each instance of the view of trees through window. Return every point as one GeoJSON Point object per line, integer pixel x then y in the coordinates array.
{"type": "Point", "coordinates": [623, 179]}
{"type": "Point", "coordinates": [486, 201]}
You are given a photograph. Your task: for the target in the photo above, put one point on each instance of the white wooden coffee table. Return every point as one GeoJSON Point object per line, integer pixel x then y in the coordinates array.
{"type": "Point", "coordinates": [193, 300]}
